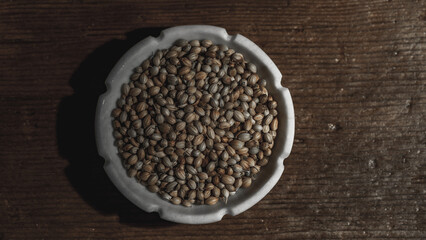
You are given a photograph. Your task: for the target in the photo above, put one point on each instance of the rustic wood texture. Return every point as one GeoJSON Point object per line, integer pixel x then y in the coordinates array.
{"type": "Point", "coordinates": [356, 71]}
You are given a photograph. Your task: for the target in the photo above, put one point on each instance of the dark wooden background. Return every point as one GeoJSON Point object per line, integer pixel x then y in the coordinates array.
{"type": "Point", "coordinates": [356, 71]}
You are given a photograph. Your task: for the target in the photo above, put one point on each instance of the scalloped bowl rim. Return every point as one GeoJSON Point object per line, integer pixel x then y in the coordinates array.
{"type": "Point", "coordinates": [151, 202]}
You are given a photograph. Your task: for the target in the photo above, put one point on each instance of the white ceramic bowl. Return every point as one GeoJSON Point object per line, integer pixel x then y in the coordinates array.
{"type": "Point", "coordinates": [244, 198]}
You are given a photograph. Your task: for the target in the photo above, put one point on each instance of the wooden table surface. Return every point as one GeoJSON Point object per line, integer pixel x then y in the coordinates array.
{"type": "Point", "coordinates": [356, 71]}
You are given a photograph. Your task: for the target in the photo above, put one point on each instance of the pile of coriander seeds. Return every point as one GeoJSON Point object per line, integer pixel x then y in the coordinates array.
{"type": "Point", "coordinates": [195, 123]}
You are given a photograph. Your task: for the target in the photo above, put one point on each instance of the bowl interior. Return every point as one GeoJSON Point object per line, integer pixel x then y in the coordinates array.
{"type": "Point", "coordinates": [244, 198]}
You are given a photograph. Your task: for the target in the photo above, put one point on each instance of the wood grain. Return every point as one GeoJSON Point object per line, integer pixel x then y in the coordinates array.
{"type": "Point", "coordinates": [356, 71]}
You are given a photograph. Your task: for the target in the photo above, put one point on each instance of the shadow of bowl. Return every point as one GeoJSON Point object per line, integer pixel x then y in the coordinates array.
{"type": "Point", "coordinates": [76, 134]}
